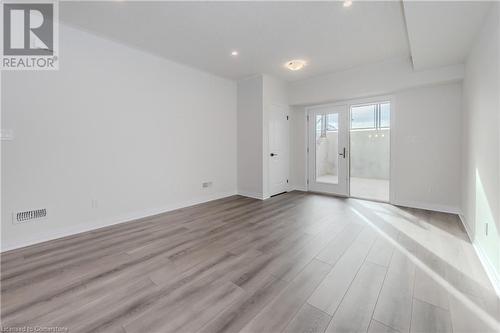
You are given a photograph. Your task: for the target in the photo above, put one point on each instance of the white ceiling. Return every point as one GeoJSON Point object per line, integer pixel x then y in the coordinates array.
{"type": "Point", "coordinates": [267, 34]}
{"type": "Point", "coordinates": [442, 33]}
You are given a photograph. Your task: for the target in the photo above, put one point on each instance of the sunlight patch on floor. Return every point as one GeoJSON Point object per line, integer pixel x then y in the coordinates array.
{"type": "Point", "coordinates": [484, 316]}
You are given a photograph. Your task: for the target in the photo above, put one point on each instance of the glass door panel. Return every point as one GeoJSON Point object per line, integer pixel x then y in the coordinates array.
{"type": "Point", "coordinates": [328, 139]}
{"type": "Point", "coordinates": [370, 151]}
{"type": "Point", "coordinates": [327, 148]}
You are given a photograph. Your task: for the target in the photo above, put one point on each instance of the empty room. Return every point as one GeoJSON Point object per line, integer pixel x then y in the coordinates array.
{"type": "Point", "coordinates": [250, 166]}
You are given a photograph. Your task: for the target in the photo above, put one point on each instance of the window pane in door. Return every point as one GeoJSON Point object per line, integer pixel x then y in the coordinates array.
{"type": "Point", "coordinates": [319, 125]}
{"type": "Point", "coordinates": [332, 122]}
{"type": "Point", "coordinates": [363, 116]}
{"type": "Point", "coordinates": [327, 150]}
{"type": "Point", "coordinates": [385, 115]}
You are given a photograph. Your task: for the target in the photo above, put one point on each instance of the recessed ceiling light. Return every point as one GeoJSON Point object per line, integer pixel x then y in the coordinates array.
{"type": "Point", "coordinates": [234, 53]}
{"type": "Point", "coordinates": [295, 65]}
{"type": "Point", "coordinates": [347, 3]}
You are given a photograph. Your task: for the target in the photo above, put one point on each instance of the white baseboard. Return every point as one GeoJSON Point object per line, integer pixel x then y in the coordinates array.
{"type": "Point", "coordinates": [253, 195]}
{"type": "Point", "coordinates": [426, 206]}
{"type": "Point", "coordinates": [492, 274]}
{"type": "Point", "coordinates": [295, 187]}
{"type": "Point", "coordinates": [98, 224]}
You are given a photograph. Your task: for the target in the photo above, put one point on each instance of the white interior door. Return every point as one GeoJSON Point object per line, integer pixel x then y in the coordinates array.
{"type": "Point", "coordinates": [278, 149]}
{"type": "Point", "coordinates": [328, 148]}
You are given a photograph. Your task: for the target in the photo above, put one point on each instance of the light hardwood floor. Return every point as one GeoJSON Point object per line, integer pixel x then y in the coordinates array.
{"type": "Point", "coordinates": [297, 262]}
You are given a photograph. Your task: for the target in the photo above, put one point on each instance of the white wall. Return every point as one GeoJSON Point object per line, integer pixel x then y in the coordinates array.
{"type": "Point", "coordinates": [370, 80]}
{"type": "Point", "coordinates": [135, 132]}
{"type": "Point", "coordinates": [425, 146]}
{"type": "Point", "coordinates": [255, 95]}
{"type": "Point", "coordinates": [250, 137]}
{"type": "Point", "coordinates": [481, 141]}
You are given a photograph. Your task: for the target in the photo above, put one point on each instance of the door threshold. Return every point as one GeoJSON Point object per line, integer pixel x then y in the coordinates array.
{"type": "Point", "coordinates": [330, 194]}
{"type": "Point", "coordinates": [348, 197]}
{"type": "Point", "coordinates": [367, 199]}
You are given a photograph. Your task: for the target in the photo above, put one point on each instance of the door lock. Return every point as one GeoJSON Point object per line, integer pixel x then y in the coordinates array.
{"type": "Point", "coordinates": [343, 153]}
{"type": "Point", "coordinates": [273, 154]}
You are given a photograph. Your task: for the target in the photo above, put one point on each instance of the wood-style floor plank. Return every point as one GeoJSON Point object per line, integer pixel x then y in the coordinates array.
{"type": "Point", "coordinates": [276, 315]}
{"type": "Point", "coordinates": [428, 290]}
{"type": "Point", "coordinates": [331, 291]}
{"type": "Point", "coordinates": [339, 244]}
{"type": "Point", "coordinates": [395, 300]}
{"type": "Point", "coordinates": [429, 318]}
{"type": "Point", "coordinates": [381, 253]}
{"type": "Point", "coordinates": [238, 314]}
{"type": "Point", "coordinates": [355, 312]}
{"type": "Point", "coordinates": [298, 262]}
{"type": "Point", "coordinates": [378, 327]}
{"type": "Point", "coordinates": [308, 319]}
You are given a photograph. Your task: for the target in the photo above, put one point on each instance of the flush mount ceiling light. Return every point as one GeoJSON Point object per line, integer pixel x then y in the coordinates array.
{"type": "Point", "coordinates": [295, 65]}
{"type": "Point", "coordinates": [347, 3]}
{"type": "Point", "coordinates": [234, 53]}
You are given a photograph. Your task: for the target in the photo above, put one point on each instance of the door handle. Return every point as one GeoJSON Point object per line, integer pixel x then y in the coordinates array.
{"type": "Point", "coordinates": [343, 153]}
{"type": "Point", "coordinates": [273, 154]}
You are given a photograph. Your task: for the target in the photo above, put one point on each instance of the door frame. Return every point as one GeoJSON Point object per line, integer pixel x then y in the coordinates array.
{"type": "Point", "coordinates": [392, 141]}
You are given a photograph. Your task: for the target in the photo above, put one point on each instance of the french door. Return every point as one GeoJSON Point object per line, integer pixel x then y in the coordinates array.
{"type": "Point", "coordinates": [328, 149]}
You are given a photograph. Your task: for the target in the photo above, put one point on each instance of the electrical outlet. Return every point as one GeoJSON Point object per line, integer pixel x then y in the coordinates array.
{"type": "Point", "coordinates": [206, 184]}
{"type": "Point", "coordinates": [95, 203]}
